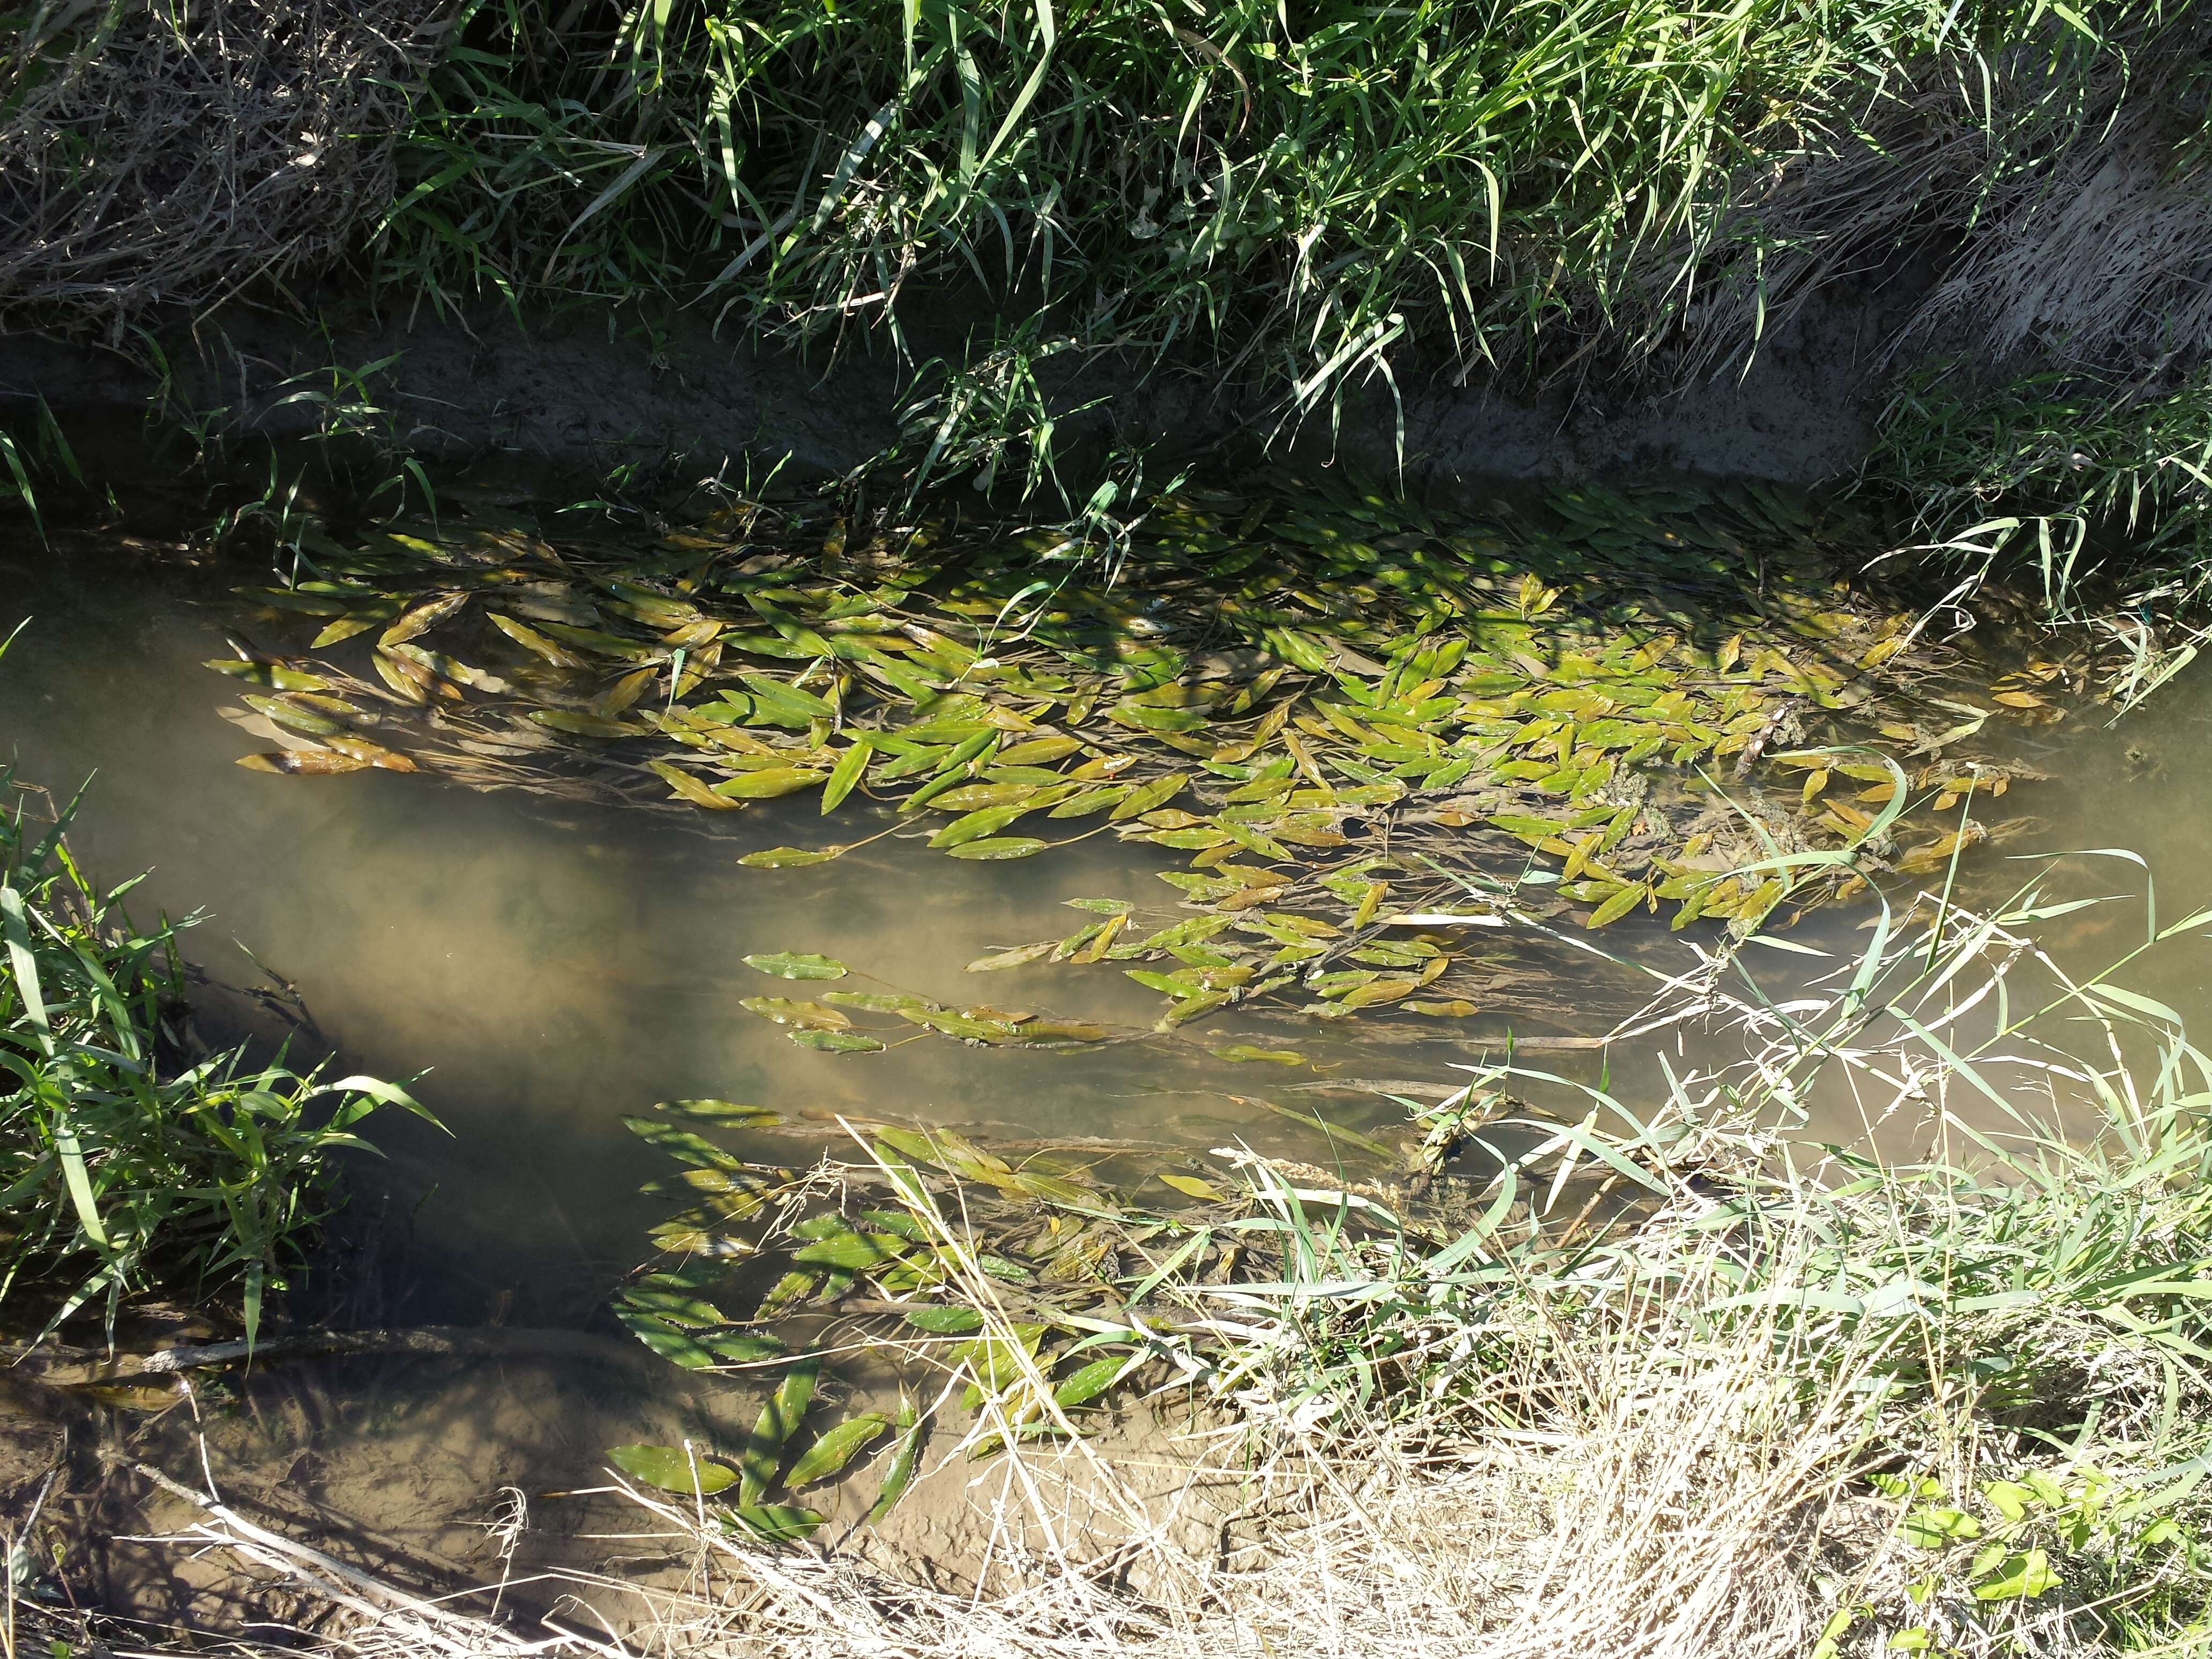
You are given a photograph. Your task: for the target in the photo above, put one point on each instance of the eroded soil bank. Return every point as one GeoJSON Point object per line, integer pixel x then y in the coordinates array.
{"type": "Point", "coordinates": [595, 391]}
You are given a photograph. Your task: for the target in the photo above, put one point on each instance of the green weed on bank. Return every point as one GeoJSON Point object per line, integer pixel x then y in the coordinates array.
{"type": "Point", "coordinates": [1304, 197]}
{"type": "Point", "coordinates": [126, 1161]}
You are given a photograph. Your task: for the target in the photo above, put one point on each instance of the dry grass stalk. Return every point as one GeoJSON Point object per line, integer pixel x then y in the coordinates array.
{"type": "Point", "coordinates": [179, 151]}
{"type": "Point", "coordinates": [1665, 1496]}
{"type": "Point", "coordinates": [2067, 200]}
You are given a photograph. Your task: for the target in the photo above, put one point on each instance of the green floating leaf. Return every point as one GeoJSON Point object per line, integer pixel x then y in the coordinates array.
{"type": "Point", "coordinates": [778, 1523]}
{"type": "Point", "coordinates": [845, 774]}
{"type": "Point", "coordinates": [672, 1469]}
{"type": "Point", "coordinates": [768, 783]}
{"type": "Point", "coordinates": [1616, 907]}
{"type": "Point", "coordinates": [778, 1420]}
{"type": "Point", "coordinates": [811, 1015]}
{"type": "Point", "coordinates": [945, 1321]}
{"type": "Point", "coordinates": [676, 1307]}
{"type": "Point", "coordinates": [681, 1144]}
{"type": "Point", "coordinates": [785, 964]}
{"type": "Point", "coordinates": [837, 1042]}
{"type": "Point", "coordinates": [834, 1449]}
{"type": "Point", "coordinates": [1191, 1186]}
{"type": "Point", "coordinates": [852, 1251]}
{"type": "Point", "coordinates": [1001, 846]}
{"type": "Point", "coordinates": [665, 1339]}
{"type": "Point", "coordinates": [898, 1478]}
{"type": "Point", "coordinates": [1049, 1033]}
{"type": "Point", "coordinates": [744, 1350]}
{"type": "Point", "coordinates": [1091, 1381]}
{"type": "Point", "coordinates": [1148, 796]}
{"type": "Point", "coordinates": [908, 1143]}
{"type": "Point", "coordinates": [1021, 956]}
{"type": "Point", "coordinates": [727, 1112]}
{"type": "Point", "coordinates": [1049, 1188]}
{"type": "Point", "coordinates": [789, 858]}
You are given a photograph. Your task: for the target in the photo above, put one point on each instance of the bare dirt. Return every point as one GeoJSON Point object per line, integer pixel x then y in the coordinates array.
{"type": "Point", "coordinates": [483, 1480]}
{"type": "Point", "coordinates": [596, 392]}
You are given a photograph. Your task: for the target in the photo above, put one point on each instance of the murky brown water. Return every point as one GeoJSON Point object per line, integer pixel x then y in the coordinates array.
{"type": "Point", "coordinates": [551, 967]}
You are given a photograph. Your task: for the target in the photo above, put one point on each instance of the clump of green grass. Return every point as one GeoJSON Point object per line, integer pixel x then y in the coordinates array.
{"type": "Point", "coordinates": [1305, 199]}
{"type": "Point", "coordinates": [126, 1162]}
{"type": "Point", "coordinates": [2057, 474]}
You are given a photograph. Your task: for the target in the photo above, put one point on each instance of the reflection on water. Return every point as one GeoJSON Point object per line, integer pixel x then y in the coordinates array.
{"type": "Point", "coordinates": [557, 966]}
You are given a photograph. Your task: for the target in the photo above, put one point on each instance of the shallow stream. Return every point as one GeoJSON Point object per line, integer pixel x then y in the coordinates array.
{"type": "Point", "coordinates": [548, 967]}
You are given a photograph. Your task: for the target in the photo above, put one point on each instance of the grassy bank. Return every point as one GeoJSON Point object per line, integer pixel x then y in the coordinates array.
{"type": "Point", "coordinates": [1347, 201]}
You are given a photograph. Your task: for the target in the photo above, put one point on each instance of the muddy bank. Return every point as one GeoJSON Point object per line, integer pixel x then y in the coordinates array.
{"type": "Point", "coordinates": [600, 390]}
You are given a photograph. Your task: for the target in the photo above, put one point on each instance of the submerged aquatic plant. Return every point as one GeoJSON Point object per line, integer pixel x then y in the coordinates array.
{"type": "Point", "coordinates": [128, 1161]}
{"type": "Point", "coordinates": [1341, 708]}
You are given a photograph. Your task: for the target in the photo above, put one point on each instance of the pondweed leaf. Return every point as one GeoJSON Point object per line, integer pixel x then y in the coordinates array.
{"type": "Point", "coordinates": [681, 1144]}
{"type": "Point", "coordinates": [665, 1339]}
{"type": "Point", "coordinates": [845, 774]}
{"type": "Point", "coordinates": [1051, 1189]}
{"type": "Point", "coordinates": [689, 789]}
{"type": "Point", "coordinates": [1093, 1380]}
{"type": "Point", "coordinates": [785, 964]}
{"type": "Point", "coordinates": [1617, 907]}
{"type": "Point", "coordinates": [811, 1015]}
{"type": "Point", "coordinates": [898, 1478]}
{"type": "Point", "coordinates": [577, 724]}
{"type": "Point", "coordinates": [744, 1350]}
{"type": "Point", "coordinates": [1191, 1186]}
{"type": "Point", "coordinates": [672, 1469]}
{"type": "Point", "coordinates": [834, 1449]}
{"type": "Point", "coordinates": [675, 1307]}
{"type": "Point", "coordinates": [726, 1112]}
{"type": "Point", "coordinates": [837, 1042]}
{"type": "Point", "coordinates": [1020, 957]}
{"type": "Point", "coordinates": [275, 675]}
{"type": "Point", "coordinates": [789, 858]}
{"type": "Point", "coordinates": [876, 1002]}
{"type": "Point", "coordinates": [975, 826]}
{"type": "Point", "coordinates": [945, 1321]}
{"type": "Point", "coordinates": [1049, 1033]}
{"type": "Point", "coordinates": [303, 762]}
{"type": "Point", "coordinates": [852, 1250]}
{"type": "Point", "coordinates": [768, 783]}
{"type": "Point", "coordinates": [1149, 795]}
{"type": "Point", "coordinates": [1001, 846]}
{"type": "Point", "coordinates": [908, 1143]}
{"type": "Point", "coordinates": [778, 1420]}
{"type": "Point", "coordinates": [779, 1524]}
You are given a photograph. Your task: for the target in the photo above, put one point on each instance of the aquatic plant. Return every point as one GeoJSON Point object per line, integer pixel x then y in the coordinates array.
{"type": "Point", "coordinates": [1372, 728]}
{"type": "Point", "coordinates": [129, 1160]}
